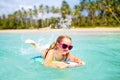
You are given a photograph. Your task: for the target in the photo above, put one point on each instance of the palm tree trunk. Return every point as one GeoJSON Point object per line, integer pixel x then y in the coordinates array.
{"type": "Point", "coordinates": [115, 17]}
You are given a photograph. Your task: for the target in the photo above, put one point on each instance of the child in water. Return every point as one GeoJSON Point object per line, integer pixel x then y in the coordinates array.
{"type": "Point", "coordinates": [58, 55]}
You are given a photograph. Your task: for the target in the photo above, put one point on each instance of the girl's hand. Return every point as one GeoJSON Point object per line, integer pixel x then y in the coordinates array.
{"type": "Point", "coordinates": [63, 66]}
{"type": "Point", "coordinates": [80, 62]}
{"type": "Point", "coordinates": [59, 64]}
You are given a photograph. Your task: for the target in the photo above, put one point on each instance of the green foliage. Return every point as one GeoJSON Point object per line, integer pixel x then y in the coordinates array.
{"type": "Point", "coordinates": [108, 14]}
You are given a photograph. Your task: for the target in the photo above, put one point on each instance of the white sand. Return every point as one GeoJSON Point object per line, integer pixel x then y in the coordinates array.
{"type": "Point", "coordinates": [54, 30]}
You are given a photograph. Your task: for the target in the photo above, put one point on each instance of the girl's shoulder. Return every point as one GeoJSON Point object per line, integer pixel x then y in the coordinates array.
{"type": "Point", "coordinates": [51, 51]}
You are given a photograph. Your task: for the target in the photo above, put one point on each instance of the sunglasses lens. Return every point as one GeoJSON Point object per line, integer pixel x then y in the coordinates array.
{"type": "Point", "coordinates": [64, 46]}
{"type": "Point", "coordinates": [70, 47]}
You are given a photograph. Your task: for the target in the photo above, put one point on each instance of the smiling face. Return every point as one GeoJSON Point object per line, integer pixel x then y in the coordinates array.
{"type": "Point", "coordinates": [64, 44]}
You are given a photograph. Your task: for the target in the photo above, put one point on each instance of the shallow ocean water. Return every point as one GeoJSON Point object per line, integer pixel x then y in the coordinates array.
{"type": "Point", "coordinates": [99, 50]}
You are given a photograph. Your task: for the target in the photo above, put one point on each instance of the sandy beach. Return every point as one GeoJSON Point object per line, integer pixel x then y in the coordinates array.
{"type": "Point", "coordinates": [73, 29]}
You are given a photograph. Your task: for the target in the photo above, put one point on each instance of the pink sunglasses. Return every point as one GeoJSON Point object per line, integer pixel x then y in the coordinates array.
{"type": "Point", "coordinates": [64, 46]}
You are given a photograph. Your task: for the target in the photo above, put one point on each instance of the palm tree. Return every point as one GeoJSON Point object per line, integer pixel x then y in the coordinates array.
{"type": "Point", "coordinates": [111, 9]}
{"type": "Point", "coordinates": [53, 10]}
{"type": "Point", "coordinates": [20, 16]}
{"type": "Point", "coordinates": [30, 15]}
{"type": "Point", "coordinates": [76, 11]}
{"type": "Point", "coordinates": [108, 10]}
{"type": "Point", "coordinates": [25, 14]}
{"type": "Point", "coordinates": [47, 8]}
{"type": "Point", "coordinates": [35, 13]}
{"type": "Point", "coordinates": [82, 7]}
{"type": "Point", "coordinates": [91, 11]}
{"type": "Point", "coordinates": [41, 10]}
{"type": "Point", "coordinates": [65, 9]}
{"type": "Point", "coordinates": [4, 22]}
{"type": "Point", "coordinates": [3, 16]}
{"type": "Point", "coordinates": [76, 15]}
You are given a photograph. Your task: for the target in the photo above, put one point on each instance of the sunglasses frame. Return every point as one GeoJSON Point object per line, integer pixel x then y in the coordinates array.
{"type": "Point", "coordinates": [67, 46]}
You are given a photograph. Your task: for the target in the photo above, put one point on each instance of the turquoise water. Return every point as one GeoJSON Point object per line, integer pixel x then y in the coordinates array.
{"type": "Point", "coordinates": [99, 50]}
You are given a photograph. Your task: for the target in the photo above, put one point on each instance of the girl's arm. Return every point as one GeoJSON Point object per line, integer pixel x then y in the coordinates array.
{"type": "Point", "coordinates": [76, 59]}
{"type": "Point", "coordinates": [49, 61]}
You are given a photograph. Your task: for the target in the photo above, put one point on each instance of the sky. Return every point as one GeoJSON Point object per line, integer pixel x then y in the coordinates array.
{"type": "Point", "coordinates": [10, 6]}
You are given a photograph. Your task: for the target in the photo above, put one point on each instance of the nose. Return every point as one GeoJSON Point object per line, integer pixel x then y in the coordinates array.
{"type": "Point", "coordinates": [67, 49]}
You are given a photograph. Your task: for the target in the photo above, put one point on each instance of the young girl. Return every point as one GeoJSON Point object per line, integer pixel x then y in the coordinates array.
{"type": "Point", "coordinates": [58, 54]}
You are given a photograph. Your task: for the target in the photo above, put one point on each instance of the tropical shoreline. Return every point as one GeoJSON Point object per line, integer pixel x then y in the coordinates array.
{"type": "Point", "coordinates": [72, 29]}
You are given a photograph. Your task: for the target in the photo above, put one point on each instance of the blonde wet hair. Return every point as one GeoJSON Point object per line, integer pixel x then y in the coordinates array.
{"type": "Point", "coordinates": [54, 44]}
